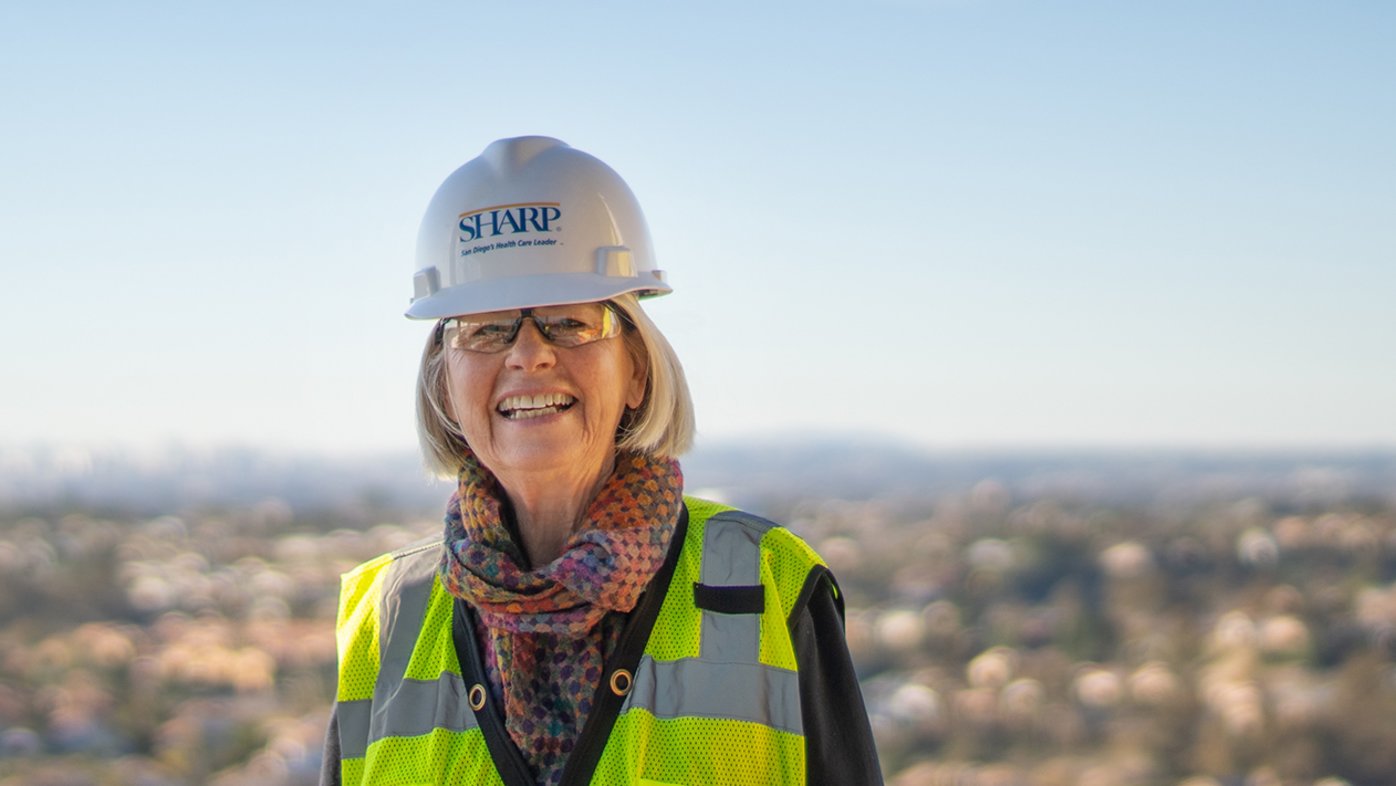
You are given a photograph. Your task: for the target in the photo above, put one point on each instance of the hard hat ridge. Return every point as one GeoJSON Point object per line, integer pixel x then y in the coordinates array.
{"type": "Point", "coordinates": [507, 155]}
{"type": "Point", "coordinates": [531, 222]}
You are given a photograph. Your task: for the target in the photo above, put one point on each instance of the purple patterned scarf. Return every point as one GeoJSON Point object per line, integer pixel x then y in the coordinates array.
{"type": "Point", "coordinates": [544, 650]}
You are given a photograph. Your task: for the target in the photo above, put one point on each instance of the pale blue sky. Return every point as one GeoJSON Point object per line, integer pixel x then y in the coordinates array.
{"type": "Point", "coordinates": [959, 223]}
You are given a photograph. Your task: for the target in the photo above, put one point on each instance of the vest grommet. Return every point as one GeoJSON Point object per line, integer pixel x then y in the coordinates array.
{"type": "Point", "coordinates": [477, 696]}
{"type": "Point", "coordinates": [621, 682]}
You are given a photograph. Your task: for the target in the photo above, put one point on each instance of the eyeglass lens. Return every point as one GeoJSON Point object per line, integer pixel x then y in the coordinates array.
{"type": "Point", "coordinates": [567, 326]}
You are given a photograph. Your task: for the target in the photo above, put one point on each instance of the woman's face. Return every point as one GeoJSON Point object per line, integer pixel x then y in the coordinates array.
{"type": "Point", "coordinates": [537, 406]}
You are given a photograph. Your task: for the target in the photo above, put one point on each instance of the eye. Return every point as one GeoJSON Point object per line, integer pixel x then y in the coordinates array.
{"type": "Point", "coordinates": [479, 335]}
{"type": "Point", "coordinates": [566, 326]}
{"type": "Point", "coordinates": [490, 330]}
{"type": "Point", "coordinates": [571, 326]}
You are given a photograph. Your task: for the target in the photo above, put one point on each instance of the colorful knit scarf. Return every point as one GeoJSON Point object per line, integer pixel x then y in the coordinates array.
{"type": "Point", "coordinates": [544, 649]}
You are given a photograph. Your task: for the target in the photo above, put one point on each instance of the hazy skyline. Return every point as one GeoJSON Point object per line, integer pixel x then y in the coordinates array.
{"type": "Point", "coordinates": [954, 223]}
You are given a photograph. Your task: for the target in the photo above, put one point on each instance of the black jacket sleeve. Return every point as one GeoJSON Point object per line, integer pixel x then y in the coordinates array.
{"type": "Point", "coordinates": [329, 762]}
{"type": "Point", "coordinates": [839, 747]}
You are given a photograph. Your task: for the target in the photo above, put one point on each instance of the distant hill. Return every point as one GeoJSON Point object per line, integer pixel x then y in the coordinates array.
{"type": "Point", "coordinates": [758, 474]}
{"type": "Point", "coordinates": [863, 470]}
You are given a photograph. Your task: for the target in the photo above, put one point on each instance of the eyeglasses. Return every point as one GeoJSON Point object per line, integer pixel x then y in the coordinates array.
{"type": "Point", "coordinates": [565, 326]}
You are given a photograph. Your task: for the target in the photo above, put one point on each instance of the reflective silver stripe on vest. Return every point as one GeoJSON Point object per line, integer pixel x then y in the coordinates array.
{"type": "Point", "coordinates": [416, 708]}
{"type": "Point", "coordinates": [403, 707]}
{"type": "Point", "coordinates": [351, 718]}
{"type": "Point", "coordinates": [732, 558]}
{"type": "Point", "coordinates": [402, 605]}
{"type": "Point", "coordinates": [695, 687]}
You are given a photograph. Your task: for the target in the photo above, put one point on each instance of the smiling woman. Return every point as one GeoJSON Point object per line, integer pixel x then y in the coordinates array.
{"type": "Point", "coordinates": [581, 620]}
{"type": "Point", "coordinates": [541, 410]}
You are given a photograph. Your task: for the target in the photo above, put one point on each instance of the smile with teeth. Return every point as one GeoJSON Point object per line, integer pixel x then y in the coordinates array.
{"type": "Point", "coordinates": [524, 407]}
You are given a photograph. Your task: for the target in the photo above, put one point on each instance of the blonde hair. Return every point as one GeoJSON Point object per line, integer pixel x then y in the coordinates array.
{"type": "Point", "coordinates": [661, 426]}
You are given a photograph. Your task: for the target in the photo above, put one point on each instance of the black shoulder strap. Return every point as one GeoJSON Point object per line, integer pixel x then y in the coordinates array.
{"type": "Point", "coordinates": [506, 756]}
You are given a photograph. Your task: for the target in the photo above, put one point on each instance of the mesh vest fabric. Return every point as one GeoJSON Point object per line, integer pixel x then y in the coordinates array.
{"type": "Point", "coordinates": [714, 698]}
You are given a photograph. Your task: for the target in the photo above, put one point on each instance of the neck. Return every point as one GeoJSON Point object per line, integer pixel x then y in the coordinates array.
{"type": "Point", "coordinates": [548, 508]}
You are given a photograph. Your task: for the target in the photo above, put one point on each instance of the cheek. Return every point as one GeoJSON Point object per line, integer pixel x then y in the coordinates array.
{"type": "Point", "coordinates": [605, 387]}
{"type": "Point", "coordinates": [466, 398]}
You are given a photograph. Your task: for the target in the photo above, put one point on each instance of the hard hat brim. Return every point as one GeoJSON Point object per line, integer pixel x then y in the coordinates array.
{"type": "Point", "coordinates": [552, 289]}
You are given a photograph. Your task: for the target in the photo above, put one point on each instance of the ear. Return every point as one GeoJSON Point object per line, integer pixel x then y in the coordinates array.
{"type": "Point", "coordinates": [639, 374]}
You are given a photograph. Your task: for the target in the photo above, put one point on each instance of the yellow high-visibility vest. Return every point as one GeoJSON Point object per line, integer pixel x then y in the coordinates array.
{"type": "Point", "coordinates": [709, 695]}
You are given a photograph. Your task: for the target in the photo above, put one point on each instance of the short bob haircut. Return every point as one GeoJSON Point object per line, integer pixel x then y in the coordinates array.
{"type": "Point", "coordinates": [662, 426]}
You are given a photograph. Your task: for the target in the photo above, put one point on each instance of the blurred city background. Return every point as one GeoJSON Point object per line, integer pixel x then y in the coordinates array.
{"type": "Point", "coordinates": [1048, 619]}
{"type": "Point", "coordinates": [1064, 330]}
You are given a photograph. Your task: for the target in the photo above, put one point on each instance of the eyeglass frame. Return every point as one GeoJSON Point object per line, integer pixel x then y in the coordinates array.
{"type": "Point", "coordinates": [527, 313]}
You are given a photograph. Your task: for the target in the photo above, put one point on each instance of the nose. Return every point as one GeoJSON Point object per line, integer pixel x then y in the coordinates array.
{"type": "Point", "coordinates": [530, 349]}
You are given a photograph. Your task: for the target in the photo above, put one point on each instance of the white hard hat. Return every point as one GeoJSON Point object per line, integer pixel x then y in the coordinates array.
{"type": "Point", "coordinates": [531, 222]}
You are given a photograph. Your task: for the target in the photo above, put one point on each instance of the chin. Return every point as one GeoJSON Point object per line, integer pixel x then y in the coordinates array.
{"type": "Point", "coordinates": [542, 454]}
